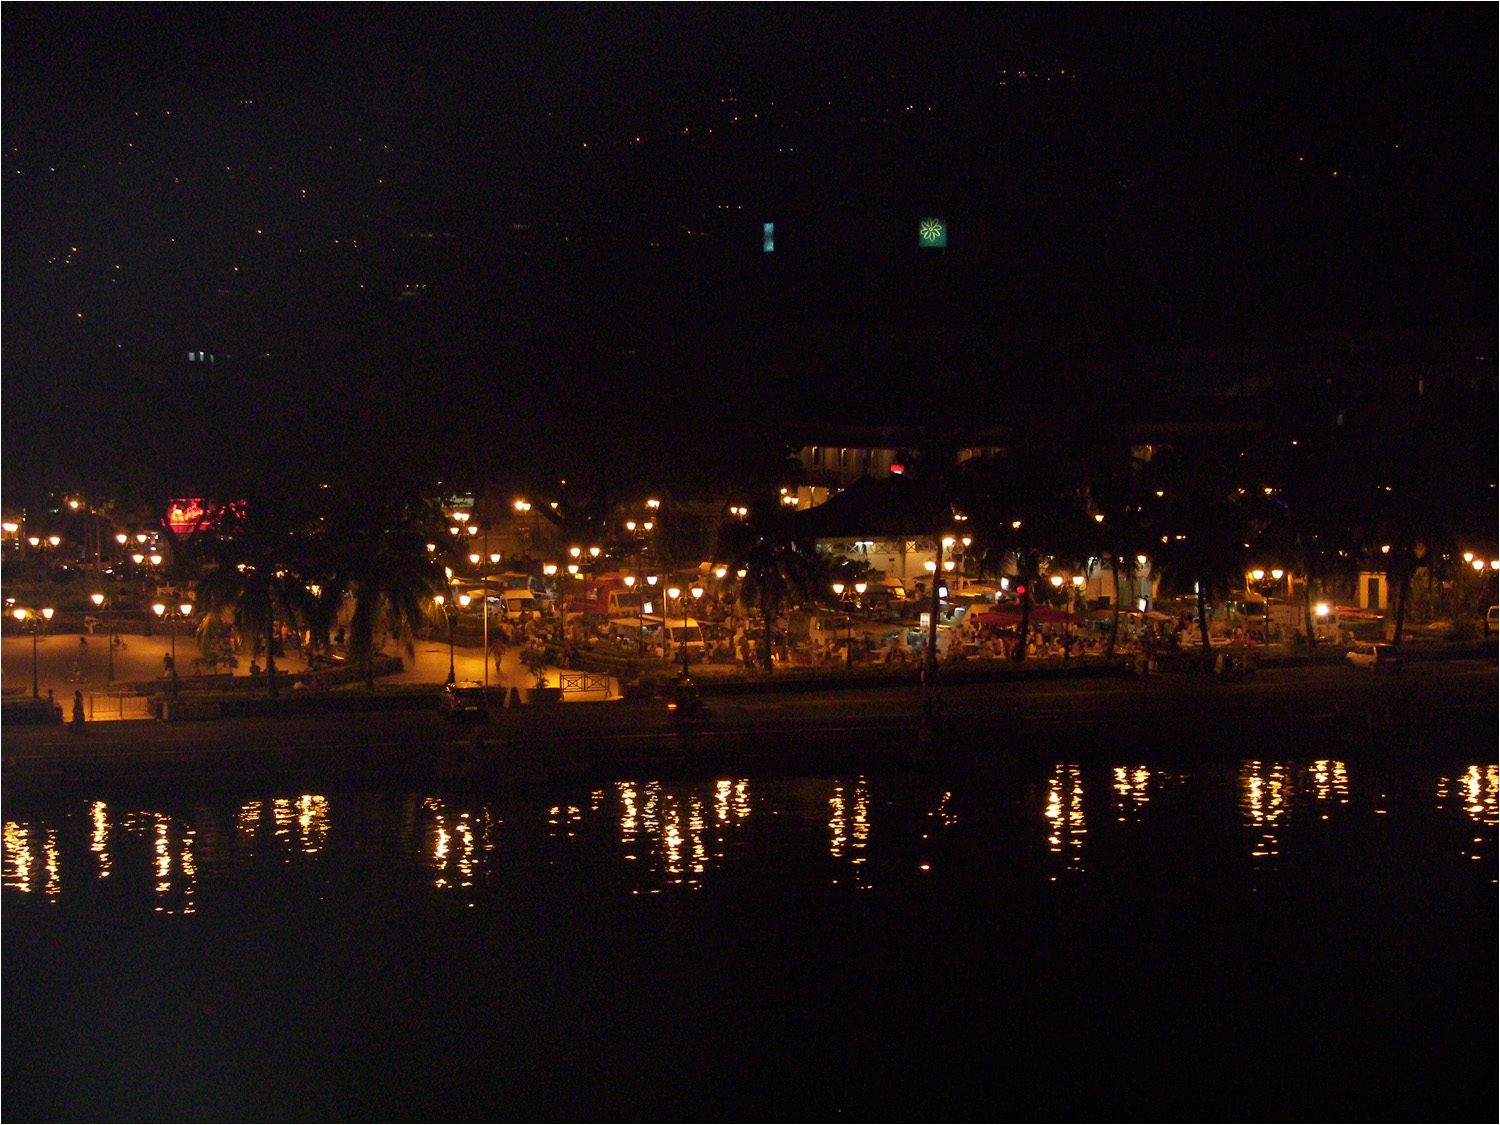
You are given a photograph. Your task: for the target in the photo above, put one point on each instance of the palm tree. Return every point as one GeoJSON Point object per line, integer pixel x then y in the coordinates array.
{"type": "Point", "coordinates": [1311, 524]}
{"type": "Point", "coordinates": [1115, 489]}
{"type": "Point", "coordinates": [383, 564]}
{"type": "Point", "coordinates": [777, 565]}
{"type": "Point", "coordinates": [251, 573]}
{"type": "Point", "coordinates": [1028, 507]}
{"type": "Point", "coordinates": [1204, 528]}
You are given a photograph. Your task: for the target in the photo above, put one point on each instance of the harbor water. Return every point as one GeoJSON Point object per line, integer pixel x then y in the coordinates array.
{"type": "Point", "coordinates": [1248, 939]}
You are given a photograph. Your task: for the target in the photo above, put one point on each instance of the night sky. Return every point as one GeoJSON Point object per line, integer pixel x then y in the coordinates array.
{"type": "Point", "coordinates": [528, 240]}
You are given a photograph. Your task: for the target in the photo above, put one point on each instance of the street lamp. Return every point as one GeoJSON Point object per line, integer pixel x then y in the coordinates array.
{"type": "Point", "coordinates": [698, 596]}
{"type": "Point", "coordinates": [838, 592]}
{"type": "Point", "coordinates": [1079, 582]}
{"type": "Point", "coordinates": [36, 620]}
{"type": "Point", "coordinates": [98, 600]}
{"type": "Point", "coordinates": [1057, 582]}
{"type": "Point", "coordinates": [629, 581]}
{"type": "Point", "coordinates": [447, 620]}
{"type": "Point", "coordinates": [183, 610]}
{"type": "Point", "coordinates": [673, 592]}
{"type": "Point", "coordinates": [550, 570]}
{"type": "Point", "coordinates": [463, 603]}
{"type": "Point", "coordinates": [859, 590]}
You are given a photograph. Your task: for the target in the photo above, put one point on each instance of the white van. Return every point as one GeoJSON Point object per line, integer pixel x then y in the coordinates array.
{"type": "Point", "coordinates": [803, 628]}
{"type": "Point", "coordinates": [514, 602]}
{"type": "Point", "coordinates": [649, 630]}
{"type": "Point", "coordinates": [679, 631]}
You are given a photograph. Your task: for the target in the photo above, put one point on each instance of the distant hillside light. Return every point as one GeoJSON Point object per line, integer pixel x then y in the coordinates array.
{"type": "Point", "coordinates": [932, 234]}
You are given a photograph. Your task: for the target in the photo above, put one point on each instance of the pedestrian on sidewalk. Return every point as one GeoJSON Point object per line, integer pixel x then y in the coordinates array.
{"type": "Point", "coordinates": [78, 712]}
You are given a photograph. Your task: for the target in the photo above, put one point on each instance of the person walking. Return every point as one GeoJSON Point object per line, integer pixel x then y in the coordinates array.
{"type": "Point", "coordinates": [78, 712]}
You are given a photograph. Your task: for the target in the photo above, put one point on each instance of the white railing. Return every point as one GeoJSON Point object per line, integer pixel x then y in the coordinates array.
{"type": "Point", "coordinates": [118, 705]}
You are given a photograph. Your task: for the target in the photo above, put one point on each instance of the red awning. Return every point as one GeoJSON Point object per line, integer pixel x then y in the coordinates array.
{"type": "Point", "coordinates": [1040, 615]}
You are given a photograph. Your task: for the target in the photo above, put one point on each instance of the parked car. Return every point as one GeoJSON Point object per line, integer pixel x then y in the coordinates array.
{"type": "Point", "coordinates": [463, 699]}
{"type": "Point", "coordinates": [1375, 657]}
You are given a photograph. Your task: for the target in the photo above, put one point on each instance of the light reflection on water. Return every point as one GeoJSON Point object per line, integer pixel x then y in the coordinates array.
{"type": "Point", "coordinates": [1267, 790]}
{"type": "Point", "coordinates": [1271, 791]}
{"type": "Point", "coordinates": [650, 835]}
{"type": "Point", "coordinates": [1132, 792]}
{"type": "Point", "coordinates": [99, 844]}
{"type": "Point", "coordinates": [1065, 817]}
{"type": "Point", "coordinates": [1477, 793]}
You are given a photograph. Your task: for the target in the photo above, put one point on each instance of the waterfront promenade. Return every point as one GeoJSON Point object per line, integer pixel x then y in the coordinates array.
{"type": "Point", "coordinates": [141, 661]}
{"type": "Point", "coordinates": [1431, 708]}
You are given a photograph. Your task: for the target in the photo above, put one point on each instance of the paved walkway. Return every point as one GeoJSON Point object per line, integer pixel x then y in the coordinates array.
{"type": "Point", "coordinates": [430, 666]}
{"type": "Point", "coordinates": [63, 666]}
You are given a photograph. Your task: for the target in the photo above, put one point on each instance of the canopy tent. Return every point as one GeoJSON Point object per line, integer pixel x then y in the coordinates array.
{"type": "Point", "coordinates": [1040, 615]}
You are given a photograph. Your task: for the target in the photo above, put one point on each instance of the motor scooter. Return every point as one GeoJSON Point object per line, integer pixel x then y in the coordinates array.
{"type": "Point", "coordinates": [686, 706]}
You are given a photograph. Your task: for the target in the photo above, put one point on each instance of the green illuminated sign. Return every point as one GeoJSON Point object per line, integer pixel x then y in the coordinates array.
{"type": "Point", "coordinates": [932, 233]}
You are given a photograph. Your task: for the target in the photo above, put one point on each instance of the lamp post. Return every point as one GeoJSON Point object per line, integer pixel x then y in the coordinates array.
{"type": "Point", "coordinates": [183, 610]}
{"type": "Point", "coordinates": [859, 589]}
{"type": "Point", "coordinates": [697, 596]}
{"type": "Point", "coordinates": [1079, 581]}
{"type": "Point", "coordinates": [673, 592]}
{"type": "Point", "coordinates": [930, 663]}
{"type": "Point", "coordinates": [651, 580]}
{"type": "Point", "coordinates": [485, 594]}
{"type": "Point", "coordinates": [930, 702]}
{"type": "Point", "coordinates": [442, 604]}
{"type": "Point", "coordinates": [1057, 582]}
{"type": "Point", "coordinates": [550, 570]}
{"type": "Point", "coordinates": [573, 571]}
{"type": "Point", "coordinates": [838, 592]}
{"type": "Point", "coordinates": [35, 619]}
{"type": "Point", "coordinates": [629, 581]}
{"type": "Point", "coordinates": [98, 600]}
{"type": "Point", "coordinates": [463, 603]}
{"type": "Point", "coordinates": [719, 574]}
